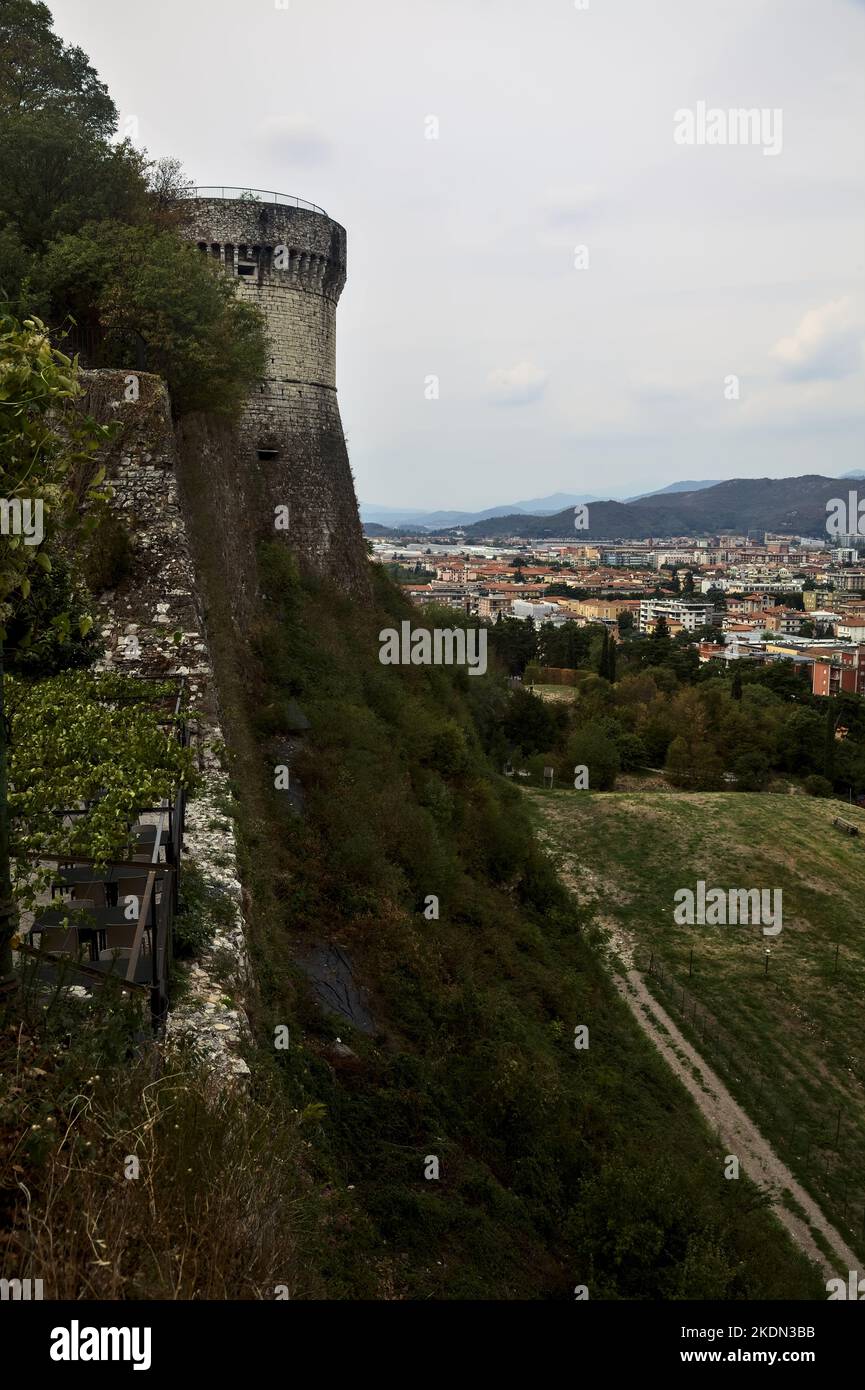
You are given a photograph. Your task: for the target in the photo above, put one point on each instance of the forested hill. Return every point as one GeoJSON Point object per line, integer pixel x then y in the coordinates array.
{"type": "Point", "coordinates": [794, 505]}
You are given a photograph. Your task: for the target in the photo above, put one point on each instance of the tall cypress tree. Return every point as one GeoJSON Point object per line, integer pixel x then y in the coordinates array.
{"type": "Point", "coordinates": [829, 741]}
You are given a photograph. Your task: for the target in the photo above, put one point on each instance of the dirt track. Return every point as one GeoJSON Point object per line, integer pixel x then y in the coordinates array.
{"type": "Point", "coordinates": [737, 1133]}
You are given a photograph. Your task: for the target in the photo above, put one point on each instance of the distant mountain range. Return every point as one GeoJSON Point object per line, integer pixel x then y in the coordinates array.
{"type": "Point", "coordinates": [794, 506]}
{"type": "Point", "coordinates": [371, 514]}
{"type": "Point", "coordinates": [433, 521]}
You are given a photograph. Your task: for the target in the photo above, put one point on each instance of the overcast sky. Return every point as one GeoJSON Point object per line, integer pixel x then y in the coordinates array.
{"type": "Point", "coordinates": [556, 131]}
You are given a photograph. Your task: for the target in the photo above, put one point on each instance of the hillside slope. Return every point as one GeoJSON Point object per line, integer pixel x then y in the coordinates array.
{"type": "Point", "coordinates": [450, 1038]}
{"type": "Point", "coordinates": [785, 1036]}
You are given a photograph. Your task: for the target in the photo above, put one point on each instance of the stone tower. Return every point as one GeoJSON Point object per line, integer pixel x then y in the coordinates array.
{"type": "Point", "coordinates": [289, 258]}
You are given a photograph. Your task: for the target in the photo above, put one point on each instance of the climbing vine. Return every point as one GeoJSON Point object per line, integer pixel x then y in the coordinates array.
{"type": "Point", "coordinates": [98, 746]}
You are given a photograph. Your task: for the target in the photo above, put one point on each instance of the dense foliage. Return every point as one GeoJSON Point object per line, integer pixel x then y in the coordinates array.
{"type": "Point", "coordinates": [471, 1058]}
{"type": "Point", "coordinates": [88, 230]}
{"type": "Point", "coordinates": [93, 744]}
{"type": "Point", "coordinates": [654, 706]}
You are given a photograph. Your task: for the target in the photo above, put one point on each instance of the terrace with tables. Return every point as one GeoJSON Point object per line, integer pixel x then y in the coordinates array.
{"type": "Point", "coordinates": [113, 919]}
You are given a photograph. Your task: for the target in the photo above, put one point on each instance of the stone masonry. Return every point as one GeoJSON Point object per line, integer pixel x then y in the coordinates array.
{"type": "Point", "coordinates": [152, 626]}
{"type": "Point", "coordinates": [291, 263]}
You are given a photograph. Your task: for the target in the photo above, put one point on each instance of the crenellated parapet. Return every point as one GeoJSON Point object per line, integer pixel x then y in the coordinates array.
{"type": "Point", "coordinates": [263, 242]}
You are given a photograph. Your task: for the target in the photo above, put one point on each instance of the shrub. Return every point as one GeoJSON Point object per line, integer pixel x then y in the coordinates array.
{"type": "Point", "coordinates": [815, 785]}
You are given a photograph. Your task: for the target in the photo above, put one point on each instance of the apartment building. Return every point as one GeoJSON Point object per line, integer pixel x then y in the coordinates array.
{"type": "Point", "coordinates": [850, 580]}
{"type": "Point", "coordinates": [838, 671]}
{"type": "Point", "coordinates": [685, 614]}
{"type": "Point", "coordinates": [491, 605]}
{"type": "Point", "coordinates": [601, 610]}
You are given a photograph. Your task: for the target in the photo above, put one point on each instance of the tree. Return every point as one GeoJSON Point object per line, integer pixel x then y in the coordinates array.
{"type": "Point", "coordinates": [56, 177]}
{"type": "Point", "coordinates": [136, 284]}
{"type": "Point", "coordinates": [41, 74]}
{"type": "Point", "coordinates": [736, 691]}
{"type": "Point", "coordinates": [514, 642]}
{"type": "Point", "coordinates": [829, 740]}
{"type": "Point", "coordinates": [688, 587]}
{"type": "Point", "coordinates": [592, 747]}
{"type": "Point", "coordinates": [529, 723]}
{"type": "Point", "coordinates": [607, 658]}
{"type": "Point", "coordinates": [693, 765]}
{"type": "Point", "coordinates": [38, 452]}
{"type": "Point", "coordinates": [602, 655]}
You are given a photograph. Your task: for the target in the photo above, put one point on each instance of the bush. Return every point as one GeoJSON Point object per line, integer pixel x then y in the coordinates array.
{"type": "Point", "coordinates": [815, 785]}
{"type": "Point", "coordinates": [200, 910]}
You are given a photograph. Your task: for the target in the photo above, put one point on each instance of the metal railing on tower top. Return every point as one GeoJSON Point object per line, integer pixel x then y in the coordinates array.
{"type": "Point", "coordinates": [255, 195]}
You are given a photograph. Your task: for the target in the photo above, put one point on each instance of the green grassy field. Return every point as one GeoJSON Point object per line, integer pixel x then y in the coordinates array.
{"type": "Point", "coordinates": [787, 1037]}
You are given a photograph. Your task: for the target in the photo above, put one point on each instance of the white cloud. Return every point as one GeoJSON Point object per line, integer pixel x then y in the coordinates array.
{"type": "Point", "coordinates": [517, 385]}
{"type": "Point", "coordinates": [570, 206]}
{"type": "Point", "coordinates": [827, 344]}
{"type": "Point", "coordinates": [295, 138]}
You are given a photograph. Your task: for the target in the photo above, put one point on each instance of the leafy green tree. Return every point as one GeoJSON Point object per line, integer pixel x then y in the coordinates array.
{"type": "Point", "coordinates": [514, 642]}
{"type": "Point", "coordinates": [607, 657]}
{"type": "Point", "coordinates": [566, 645]}
{"type": "Point", "coordinates": [41, 74]}
{"type": "Point", "coordinates": [592, 747]}
{"type": "Point", "coordinates": [54, 178]}
{"type": "Point", "coordinates": [799, 742]}
{"type": "Point", "coordinates": [694, 765]}
{"type": "Point", "coordinates": [139, 284]}
{"type": "Point", "coordinates": [529, 724]}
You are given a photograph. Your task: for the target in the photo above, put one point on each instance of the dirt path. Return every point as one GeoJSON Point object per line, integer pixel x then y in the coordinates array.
{"type": "Point", "coordinates": [737, 1133]}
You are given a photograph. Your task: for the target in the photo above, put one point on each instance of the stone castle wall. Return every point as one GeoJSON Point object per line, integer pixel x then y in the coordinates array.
{"type": "Point", "coordinates": [290, 441]}
{"type": "Point", "coordinates": [153, 625]}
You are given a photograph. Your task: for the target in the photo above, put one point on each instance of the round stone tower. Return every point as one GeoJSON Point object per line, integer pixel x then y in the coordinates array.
{"type": "Point", "coordinates": [289, 258]}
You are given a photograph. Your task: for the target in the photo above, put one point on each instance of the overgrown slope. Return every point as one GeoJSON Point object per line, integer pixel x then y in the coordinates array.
{"type": "Point", "coordinates": [557, 1167]}
{"type": "Point", "coordinates": [784, 1033]}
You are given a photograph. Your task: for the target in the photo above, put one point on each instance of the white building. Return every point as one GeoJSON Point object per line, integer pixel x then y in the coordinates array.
{"type": "Point", "coordinates": [689, 613]}
{"type": "Point", "coordinates": [540, 612]}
